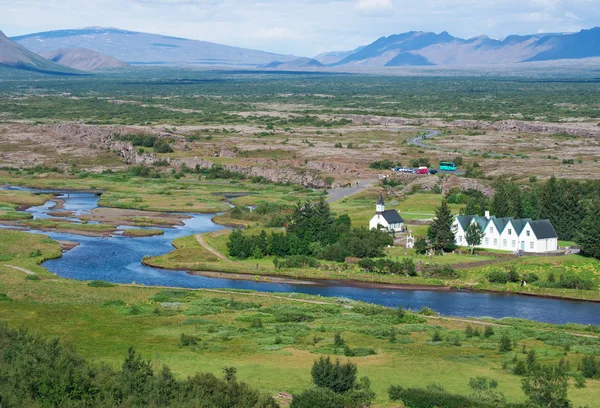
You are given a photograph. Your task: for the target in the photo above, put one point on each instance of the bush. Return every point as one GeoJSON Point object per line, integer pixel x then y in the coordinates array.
{"type": "Point", "coordinates": [187, 340]}
{"type": "Point", "coordinates": [4, 298]}
{"type": "Point", "coordinates": [589, 366]}
{"type": "Point", "coordinates": [318, 397]}
{"type": "Point", "coordinates": [520, 368]}
{"type": "Point", "coordinates": [505, 344]}
{"type": "Point", "coordinates": [100, 284]}
{"type": "Point", "coordinates": [336, 376]}
{"type": "Point", "coordinates": [382, 164]}
{"type": "Point", "coordinates": [34, 278]}
{"type": "Point", "coordinates": [488, 332]}
{"type": "Point", "coordinates": [298, 261]}
{"type": "Point", "coordinates": [425, 398]}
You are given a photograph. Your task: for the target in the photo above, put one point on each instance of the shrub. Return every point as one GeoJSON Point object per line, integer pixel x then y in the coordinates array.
{"type": "Point", "coordinates": [425, 398]}
{"type": "Point", "coordinates": [497, 277]}
{"type": "Point", "coordinates": [338, 341]}
{"type": "Point", "coordinates": [336, 376]}
{"type": "Point", "coordinates": [359, 351]}
{"type": "Point", "coordinates": [437, 337]}
{"type": "Point", "coordinates": [382, 164]}
{"type": "Point", "coordinates": [4, 298]}
{"type": "Point", "coordinates": [589, 366]}
{"type": "Point", "coordinates": [32, 278]}
{"type": "Point", "coordinates": [100, 284]}
{"type": "Point", "coordinates": [505, 344]}
{"type": "Point", "coordinates": [520, 368]}
{"type": "Point", "coordinates": [489, 331]}
{"type": "Point", "coordinates": [187, 340]}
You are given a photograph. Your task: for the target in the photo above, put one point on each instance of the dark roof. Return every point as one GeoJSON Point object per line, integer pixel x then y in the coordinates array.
{"type": "Point", "coordinates": [380, 201]}
{"type": "Point", "coordinates": [543, 229]}
{"type": "Point", "coordinates": [392, 217]}
{"type": "Point", "coordinates": [519, 224]}
{"type": "Point", "coordinates": [464, 221]}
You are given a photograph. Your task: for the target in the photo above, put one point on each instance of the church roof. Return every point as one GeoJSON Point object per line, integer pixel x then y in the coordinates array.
{"type": "Point", "coordinates": [380, 201]}
{"type": "Point", "coordinates": [392, 217]}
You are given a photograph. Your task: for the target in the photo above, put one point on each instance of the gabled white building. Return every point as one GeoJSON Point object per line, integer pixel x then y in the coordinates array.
{"type": "Point", "coordinates": [508, 234]}
{"type": "Point", "coordinates": [388, 219]}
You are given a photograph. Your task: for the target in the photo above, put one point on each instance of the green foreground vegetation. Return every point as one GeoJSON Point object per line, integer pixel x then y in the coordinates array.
{"type": "Point", "coordinates": [273, 340]}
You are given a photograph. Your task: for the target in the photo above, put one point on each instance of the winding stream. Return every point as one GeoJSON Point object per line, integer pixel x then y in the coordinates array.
{"type": "Point", "coordinates": [117, 259]}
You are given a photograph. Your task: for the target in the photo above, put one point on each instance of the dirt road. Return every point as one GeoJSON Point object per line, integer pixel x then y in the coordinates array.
{"type": "Point", "coordinates": [336, 194]}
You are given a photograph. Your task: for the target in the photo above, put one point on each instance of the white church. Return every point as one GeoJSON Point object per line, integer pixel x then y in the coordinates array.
{"type": "Point", "coordinates": [386, 219]}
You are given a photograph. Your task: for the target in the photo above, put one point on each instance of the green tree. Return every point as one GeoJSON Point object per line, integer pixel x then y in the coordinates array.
{"type": "Point", "coordinates": [440, 232]}
{"type": "Point", "coordinates": [500, 205]}
{"type": "Point", "coordinates": [421, 245]}
{"type": "Point", "coordinates": [505, 344]}
{"type": "Point", "coordinates": [589, 233]}
{"type": "Point", "coordinates": [474, 235]}
{"type": "Point", "coordinates": [546, 387]}
{"type": "Point", "coordinates": [338, 377]}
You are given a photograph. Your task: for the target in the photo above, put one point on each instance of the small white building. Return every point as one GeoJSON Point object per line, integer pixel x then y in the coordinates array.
{"type": "Point", "coordinates": [387, 219]}
{"type": "Point", "coordinates": [508, 234]}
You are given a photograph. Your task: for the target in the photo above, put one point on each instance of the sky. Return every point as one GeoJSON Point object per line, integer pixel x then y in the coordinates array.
{"type": "Point", "coordinates": [301, 27]}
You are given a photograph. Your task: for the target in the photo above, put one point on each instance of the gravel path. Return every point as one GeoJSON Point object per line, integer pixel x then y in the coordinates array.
{"type": "Point", "coordinates": [336, 194]}
{"type": "Point", "coordinates": [211, 249]}
{"type": "Point", "coordinates": [27, 271]}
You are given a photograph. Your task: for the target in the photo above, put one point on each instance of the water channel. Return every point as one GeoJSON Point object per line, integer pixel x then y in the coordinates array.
{"type": "Point", "coordinates": [117, 259]}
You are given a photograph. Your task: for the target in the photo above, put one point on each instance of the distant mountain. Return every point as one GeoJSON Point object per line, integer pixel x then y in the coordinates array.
{"type": "Point", "coordinates": [296, 64]}
{"type": "Point", "coordinates": [418, 48]}
{"type": "Point", "coordinates": [148, 49]}
{"type": "Point", "coordinates": [13, 55]}
{"type": "Point", "coordinates": [331, 57]}
{"type": "Point", "coordinates": [83, 59]}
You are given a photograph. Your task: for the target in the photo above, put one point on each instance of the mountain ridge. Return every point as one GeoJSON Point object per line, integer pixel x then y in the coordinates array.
{"type": "Point", "coordinates": [419, 48]}
{"type": "Point", "coordinates": [137, 48]}
{"type": "Point", "coordinates": [15, 56]}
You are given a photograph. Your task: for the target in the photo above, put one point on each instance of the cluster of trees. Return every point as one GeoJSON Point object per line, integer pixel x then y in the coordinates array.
{"type": "Point", "coordinates": [544, 386]}
{"type": "Point", "coordinates": [36, 372]}
{"type": "Point", "coordinates": [158, 145]}
{"type": "Point", "coordinates": [312, 230]}
{"type": "Point", "coordinates": [335, 386]}
{"type": "Point", "coordinates": [273, 215]}
{"type": "Point", "coordinates": [384, 164]}
{"type": "Point", "coordinates": [385, 266]}
{"type": "Point", "coordinates": [571, 206]}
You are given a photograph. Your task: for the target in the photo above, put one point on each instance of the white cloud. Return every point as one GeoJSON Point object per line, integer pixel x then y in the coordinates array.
{"type": "Point", "coordinates": [374, 7]}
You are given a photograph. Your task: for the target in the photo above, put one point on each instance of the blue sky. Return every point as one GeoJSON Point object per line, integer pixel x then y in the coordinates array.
{"type": "Point", "coordinates": [301, 27]}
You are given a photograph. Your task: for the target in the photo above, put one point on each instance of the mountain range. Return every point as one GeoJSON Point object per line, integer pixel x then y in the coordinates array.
{"type": "Point", "coordinates": [105, 48]}
{"type": "Point", "coordinates": [137, 48]}
{"type": "Point", "coordinates": [417, 48]}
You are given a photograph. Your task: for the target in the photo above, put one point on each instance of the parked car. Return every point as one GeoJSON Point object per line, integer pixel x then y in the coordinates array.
{"type": "Point", "coordinates": [433, 171]}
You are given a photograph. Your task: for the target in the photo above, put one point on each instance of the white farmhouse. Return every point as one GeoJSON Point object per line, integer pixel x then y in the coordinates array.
{"type": "Point", "coordinates": [508, 234]}
{"type": "Point", "coordinates": [387, 219]}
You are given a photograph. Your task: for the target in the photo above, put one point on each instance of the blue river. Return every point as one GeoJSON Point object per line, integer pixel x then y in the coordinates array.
{"type": "Point", "coordinates": [117, 259]}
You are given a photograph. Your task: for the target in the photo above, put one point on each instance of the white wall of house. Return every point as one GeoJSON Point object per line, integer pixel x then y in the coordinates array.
{"type": "Point", "coordinates": [379, 220]}
{"type": "Point", "coordinates": [507, 239]}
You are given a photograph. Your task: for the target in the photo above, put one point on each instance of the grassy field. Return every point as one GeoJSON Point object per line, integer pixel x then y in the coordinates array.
{"type": "Point", "coordinates": [169, 195]}
{"type": "Point", "coordinates": [361, 207]}
{"type": "Point", "coordinates": [272, 339]}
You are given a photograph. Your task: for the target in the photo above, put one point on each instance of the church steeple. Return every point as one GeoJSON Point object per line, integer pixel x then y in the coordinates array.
{"type": "Point", "coordinates": [380, 207]}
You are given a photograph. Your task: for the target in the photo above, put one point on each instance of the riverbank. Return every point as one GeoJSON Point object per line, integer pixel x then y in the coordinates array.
{"type": "Point", "coordinates": [471, 276]}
